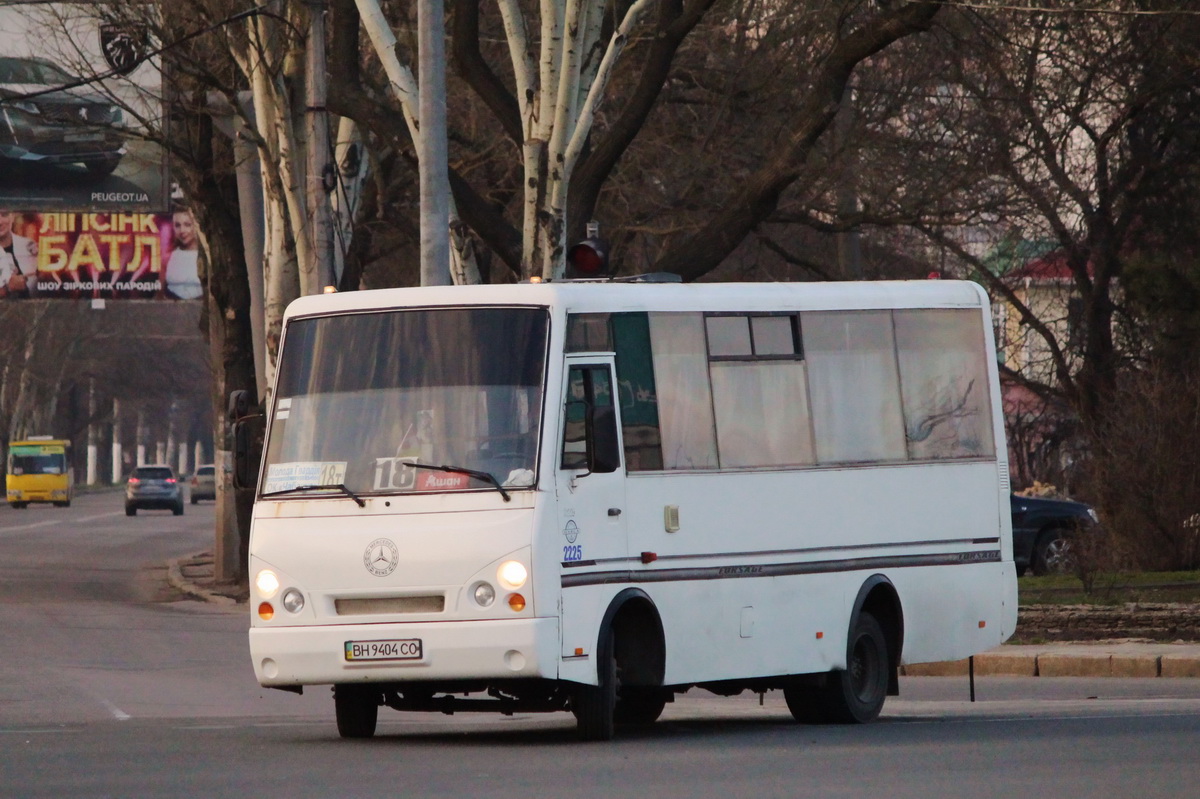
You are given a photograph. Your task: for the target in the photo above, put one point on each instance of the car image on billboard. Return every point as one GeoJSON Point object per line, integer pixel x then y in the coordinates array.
{"type": "Point", "coordinates": [81, 110]}
{"type": "Point", "coordinates": [55, 125]}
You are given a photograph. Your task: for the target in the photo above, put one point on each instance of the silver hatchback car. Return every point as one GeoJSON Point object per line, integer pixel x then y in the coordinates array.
{"type": "Point", "coordinates": [153, 486]}
{"type": "Point", "coordinates": [203, 484]}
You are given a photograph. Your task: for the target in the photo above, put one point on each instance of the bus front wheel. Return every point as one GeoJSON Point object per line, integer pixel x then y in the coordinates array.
{"type": "Point", "coordinates": [854, 695]}
{"type": "Point", "coordinates": [357, 709]}
{"type": "Point", "coordinates": [639, 706]}
{"type": "Point", "coordinates": [594, 705]}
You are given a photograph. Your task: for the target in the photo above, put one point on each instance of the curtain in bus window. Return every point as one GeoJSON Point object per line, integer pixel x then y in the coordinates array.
{"type": "Point", "coordinates": [684, 400]}
{"type": "Point", "coordinates": [854, 388]}
{"type": "Point", "coordinates": [762, 413]}
{"type": "Point", "coordinates": [636, 392]}
{"type": "Point", "coordinates": [943, 380]}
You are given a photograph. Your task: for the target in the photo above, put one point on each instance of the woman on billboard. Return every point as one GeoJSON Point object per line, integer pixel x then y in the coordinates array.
{"type": "Point", "coordinates": [183, 273]}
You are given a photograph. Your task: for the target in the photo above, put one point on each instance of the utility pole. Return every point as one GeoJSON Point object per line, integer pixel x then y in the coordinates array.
{"type": "Point", "coordinates": [432, 148]}
{"type": "Point", "coordinates": [319, 169]}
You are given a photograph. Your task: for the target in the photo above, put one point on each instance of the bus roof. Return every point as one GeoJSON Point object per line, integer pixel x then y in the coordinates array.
{"type": "Point", "coordinates": [613, 297]}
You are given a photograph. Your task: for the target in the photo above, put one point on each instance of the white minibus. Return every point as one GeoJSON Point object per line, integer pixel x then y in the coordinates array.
{"type": "Point", "coordinates": [593, 496]}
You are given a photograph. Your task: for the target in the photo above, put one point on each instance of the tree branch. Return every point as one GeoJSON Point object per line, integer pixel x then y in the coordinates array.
{"type": "Point", "coordinates": [744, 210]}
{"type": "Point", "coordinates": [469, 61]}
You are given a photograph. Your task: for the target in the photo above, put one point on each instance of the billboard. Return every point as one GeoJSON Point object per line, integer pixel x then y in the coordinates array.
{"type": "Point", "coordinates": [99, 256]}
{"type": "Point", "coordinates": [80, 112]}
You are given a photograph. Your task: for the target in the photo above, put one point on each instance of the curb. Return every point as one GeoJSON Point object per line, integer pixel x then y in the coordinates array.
{"type": "Point", "coordinates": [176, 578]}
{"type": "Point", "coordinates": [1062, 664]}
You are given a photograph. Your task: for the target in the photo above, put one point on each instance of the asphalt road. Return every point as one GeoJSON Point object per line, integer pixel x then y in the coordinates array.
{"type": "Point", "coordinates": [113, 685]}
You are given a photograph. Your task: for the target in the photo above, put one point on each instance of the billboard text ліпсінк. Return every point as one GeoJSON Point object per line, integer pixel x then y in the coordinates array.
{"type": "Point", "coordinates": [102, 256]}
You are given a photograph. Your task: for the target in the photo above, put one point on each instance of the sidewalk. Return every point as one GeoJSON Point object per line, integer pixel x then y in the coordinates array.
{"type": "Point", "coordinates": [193, 575]}
{"type": "Point", "coordinates": [1121, 658]}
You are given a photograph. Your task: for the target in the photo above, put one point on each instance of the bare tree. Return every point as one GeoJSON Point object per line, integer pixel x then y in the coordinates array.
{"type": "Point", "coordinates": [548, 99]}
{"type": "Point", "coordinates": [1050, 113]}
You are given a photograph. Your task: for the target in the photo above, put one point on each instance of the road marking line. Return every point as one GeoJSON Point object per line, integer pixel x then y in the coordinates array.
{"type": "Point", "coordinates": [100, 516]}
{"type": "Point", "coordinates": [30, 526]}
{"type": "Point", "coordinates": [118, 714]}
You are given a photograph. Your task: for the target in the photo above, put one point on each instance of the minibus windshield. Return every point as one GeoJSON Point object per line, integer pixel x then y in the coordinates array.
{"type": "Point", "coordinates": [30, 460]}
{"type": "Point", "coordinates": [360, 398]}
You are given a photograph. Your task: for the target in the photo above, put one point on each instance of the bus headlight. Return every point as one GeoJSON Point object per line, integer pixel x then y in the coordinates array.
{"type": "Point", "coordinates": [483, 594]}
{"type": "Point", "coordinates": [293, 601]}
{"type": "Point", "coordinates": [512, 574]}
{"type": "Point", "coordinates": [267, 583]}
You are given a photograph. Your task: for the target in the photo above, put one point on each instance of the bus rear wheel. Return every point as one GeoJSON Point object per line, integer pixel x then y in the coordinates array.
{"type": "Point", "coordinates": [357, 710]}
{"type": "Point", "coordinates": [851, 696]}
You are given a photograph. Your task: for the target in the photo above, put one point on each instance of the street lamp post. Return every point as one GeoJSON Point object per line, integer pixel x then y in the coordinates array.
{"type": "Point", "coordinates": [432, 148]}
{"type": "Point", "coordinates": [319, 169]}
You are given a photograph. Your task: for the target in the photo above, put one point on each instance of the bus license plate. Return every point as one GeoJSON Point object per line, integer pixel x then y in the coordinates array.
{"type": "Point", "coordinates": [395, 649]}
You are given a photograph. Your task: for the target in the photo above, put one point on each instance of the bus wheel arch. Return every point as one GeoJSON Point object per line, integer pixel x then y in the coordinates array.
{"type": "Point", "coordinates": [630, 664]}
{"type": "Point", "coordinates": [855, 694]}
{"type": "Point", "coordinates": [879, 598]}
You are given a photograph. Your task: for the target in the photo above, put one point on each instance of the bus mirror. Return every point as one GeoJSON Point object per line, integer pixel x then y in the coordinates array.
{"type": "Point", "coordinates": [239, 404]}
{"type": "Point", "coordinates": [247, 449]}
{"type": "Point", "coordinates": [604, 443]}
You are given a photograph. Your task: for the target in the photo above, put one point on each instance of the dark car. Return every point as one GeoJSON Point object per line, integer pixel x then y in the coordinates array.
{"type": "Point", "coordinates": [204, 484]}
{"type": "Point", "coordinates": [41, 123]}
{"type": "Point", "coordinates": [153, 487]}
{"type": "Point", "coordinates": [1042, 529]}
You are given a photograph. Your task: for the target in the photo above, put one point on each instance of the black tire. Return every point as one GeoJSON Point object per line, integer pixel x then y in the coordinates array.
{"type": "Point", "coordinates": [104, 167]}
{"type": "Point", "coordinates": [855, 695]}
{"type": "Point", "coordinates": [639, 706]}
{"type": "Point", "coordinates": [131, 510]}
{"type": "Point", "coordinates": [20, 505]}
{"type": "Point", "coordinates": [178, 509]}
{"type": "Point", "coordinates": [1052, 553]}
{"type": "Point", "coordinates": [194, 500]}
{"type": "Point", "coordinates": [594, 706]}
{"type": "Point", "coordinates": [805, 704]}
{"type": "Point", "coordinates": [357, 710]}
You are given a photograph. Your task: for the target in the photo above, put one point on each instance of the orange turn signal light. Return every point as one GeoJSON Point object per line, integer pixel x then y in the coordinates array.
{"type": "Point", "coordinates": [516, 602]}
{"type": "Point", "coordinates": [266, 612]}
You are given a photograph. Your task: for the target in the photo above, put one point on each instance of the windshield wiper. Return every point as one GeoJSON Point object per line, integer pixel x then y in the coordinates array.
{"type": "Point", "coordinates": [478, 475]}
{"type": "Point", "coordinates": [335, 487]}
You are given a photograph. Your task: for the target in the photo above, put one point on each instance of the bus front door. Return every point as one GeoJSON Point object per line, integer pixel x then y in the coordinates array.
{"type": "Point", "coordinates": [591, 499]}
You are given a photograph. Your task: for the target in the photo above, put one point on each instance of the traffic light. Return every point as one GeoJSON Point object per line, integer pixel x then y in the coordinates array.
{"type": "Point", "coordinates": [588, 259]}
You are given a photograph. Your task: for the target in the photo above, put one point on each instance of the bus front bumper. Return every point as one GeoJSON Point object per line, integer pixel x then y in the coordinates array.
{"type": "Point", "coordinates": [457, 650]}
{"type": "Point", "coordinates": [38, 495]}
